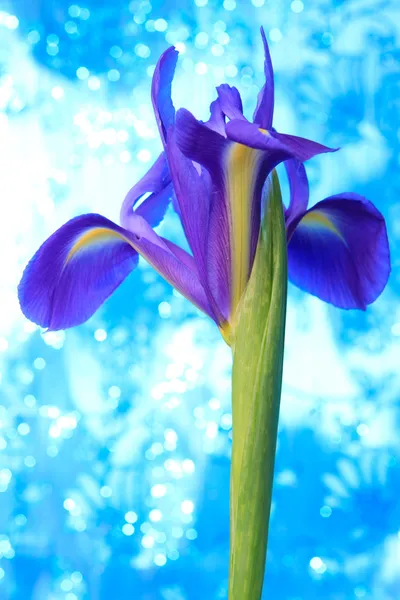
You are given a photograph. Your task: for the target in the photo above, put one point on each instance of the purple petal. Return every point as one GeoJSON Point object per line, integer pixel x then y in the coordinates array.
{"type": "Point", "coordinates": [161, 91]}
{"type": "Point", "coordinates": [238, 173]}
{"type": "Point", "coordinates": [230, 101]}
{"type": "Point", "coordinates": [193, 197]}
{"type": "Point", "coordinates": [75, 271]}
{"type": "Point", "coordinates": [299, 190]}
{"type": "Point", "coordinates": [181, 254]}
{"type": "Point", "coordinates": [299, 147]}
{"type": "Point", "coordinates": [203, 145]}
{"type": "Point", "coordinates": [200, 143]}
{"type": "Point", "coordinates": [264, 112]}
{"type": "Point", "coordinates": [85, 260]}
{"type": "Point", "coordinates": [216, 122]}
{"type": "Point", "coordinates": [284, 146]}
{"type": "Point", "coordinates": [174, 264]}
{"type": "Point", "coordinates": [157, 183]}
{"type": "Point", "coordinates": [340, 252]}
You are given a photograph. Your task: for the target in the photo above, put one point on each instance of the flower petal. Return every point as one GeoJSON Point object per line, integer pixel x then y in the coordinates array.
{"type": "Point", "coordinates": [200, 143]}
{"type": "Point", "coordinates": [231, 102]}
{"type": "Point", "coordinates": [203, 145]}
{"type": "Point", "coordinates": [75, 271]}
{"type": "Point", "coordinates": [216, 122]}
{"type": "Point", "coordinates": [85, 260]}
{"type": "Point", "coordinates": [264, 111]}
{"type": "Point", "coordinates": [161, 91]}
{"type": "Point", "coordinates": [340, 252]}
{"type": "Point", "coordinates": [286, 146]}
{"type": "Point", "coordinates": [300, 148]}
{"type": "Point", "coordinates": [157, 184]}
{"type": "Point", "coordinates": [193, 193]}
{"type": "Point", "coordinates": [174, 264]}
{"type": "Point", "coordinates": [299, 190]}
{"type": "Point", "coordinates": [238, 173]}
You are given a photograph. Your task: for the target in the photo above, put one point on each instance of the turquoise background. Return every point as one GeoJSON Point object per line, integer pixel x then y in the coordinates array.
{"type": "Point", "coordinates": [115, 436]}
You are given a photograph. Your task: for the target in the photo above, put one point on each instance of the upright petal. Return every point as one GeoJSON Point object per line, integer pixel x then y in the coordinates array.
{"type": "Point", "coordinates": [157, 185]}
{"type": "Point", "coordinates": [264, 111]}
{"type": "Point", "coordinates": [299, 190]}
{"type": "Point", "coordinates": [157, 180]}
{"type": "Point", "coordinates": [75, 271]}
{"type": "Point", "coordinates": [161, 91]}
{"type": "Point", "coordinates": [339, 252]}
{"type": "Point", "coordinates": [200, 143]}
{"type": "Point", "coordinates": [205, 146]}
{"type": "Point", "coordinates": [193, 193]}
{"type": "Point", "coordinates": [230, 101]}
{"type": "Point", "coordinates": [238, 173]}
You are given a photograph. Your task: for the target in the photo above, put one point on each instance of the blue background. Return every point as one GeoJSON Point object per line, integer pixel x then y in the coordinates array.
{"type": "Point", "coordinates": [115, 436]}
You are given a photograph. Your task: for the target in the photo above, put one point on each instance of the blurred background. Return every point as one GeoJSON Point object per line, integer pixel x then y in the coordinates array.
{"type": "Point", "coordinates": [115, 436]}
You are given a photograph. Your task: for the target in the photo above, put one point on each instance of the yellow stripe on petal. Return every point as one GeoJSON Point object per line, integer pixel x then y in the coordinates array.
{"type": "Point", "coordinates": [97, 235]}
{"type": "Point", "coordinates": [226, 332]}
{"type": "Point", "coordinates": [317, 219]}
{"type": "Point", "coordinates": [242, 170]}
{"type": "Point", "coordinates": [101, 236]}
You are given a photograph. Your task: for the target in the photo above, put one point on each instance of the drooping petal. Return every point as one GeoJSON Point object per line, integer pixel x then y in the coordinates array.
{"type": "Point", "coordinates": [264, 111]}
{"type": "Point", "coordinates": [230, 100]}
{"type": "Point", "coordinates": [85, 260]}
{"type": "Point", "coordinates": [161, 91]}
{"type": "Point", "coordinates": [157, 184]}
{"type": "Point", "coordinates": [75, 271]}
{"type": "Point", "coordinates": [299, 190]}
{"type": "Point", "coordinates": [339, 252]}
{"type": "Point", "coordinates": [286, 146]}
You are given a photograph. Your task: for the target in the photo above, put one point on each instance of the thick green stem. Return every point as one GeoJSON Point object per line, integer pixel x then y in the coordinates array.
{"type": "Point", "coordinates": [256, 389]}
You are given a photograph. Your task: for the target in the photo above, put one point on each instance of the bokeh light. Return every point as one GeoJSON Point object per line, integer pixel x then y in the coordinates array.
{"type": "Point", "coordinates": [115, 436]}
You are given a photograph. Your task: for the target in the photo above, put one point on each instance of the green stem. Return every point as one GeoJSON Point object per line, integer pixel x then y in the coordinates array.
{"type": "Point", "coordinates": [256, 390]}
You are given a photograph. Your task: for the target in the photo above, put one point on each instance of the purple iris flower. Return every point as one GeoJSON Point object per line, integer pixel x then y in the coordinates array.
{"type": "Point", "coordinates": [214, 172]}
{"type": "Point", "coordinates": [338, 250]}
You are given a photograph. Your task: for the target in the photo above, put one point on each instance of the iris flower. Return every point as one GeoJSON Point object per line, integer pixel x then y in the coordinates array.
{"type": "Point", "coordinates": [242, 246]}
{"type": "Point", "coordinates": [214, 172]}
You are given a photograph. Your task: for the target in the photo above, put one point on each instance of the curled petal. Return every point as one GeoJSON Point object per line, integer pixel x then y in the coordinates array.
{"type": "Point", "coordinates": [286, 146]}
{"type": "Point", "coordinates": [231, 102]}
{"type": "Point", "coordinates": [156, 183]}
{"type": "Point", "coordinates": [216, 122]}
{"type": "Point", "coordinates": [161, 91]}
{"type": "Point", "coordinates": [339, 252]}
{"type": "Point", "coordinates": [300, 148]}
{"type": "Point", "coordinates": [75, 271]}
{"type": "Point", "coordinates": [264, 112]}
